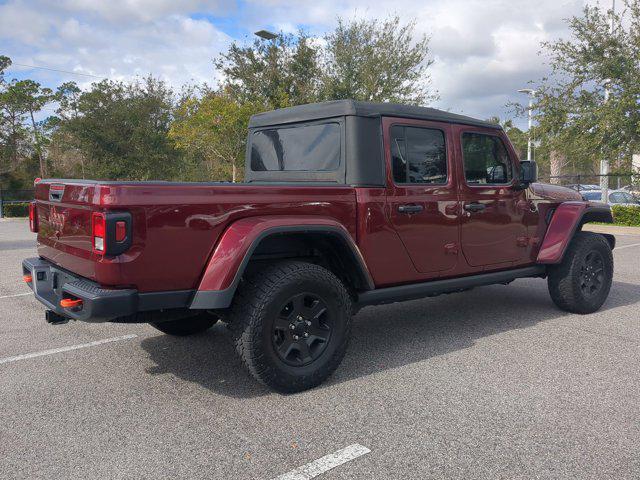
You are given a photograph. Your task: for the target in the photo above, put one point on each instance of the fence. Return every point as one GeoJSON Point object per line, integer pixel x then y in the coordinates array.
{"type": "Point", "coordinates": [14, 197]}
{"type": "Point", "coordinates": [581, 181]}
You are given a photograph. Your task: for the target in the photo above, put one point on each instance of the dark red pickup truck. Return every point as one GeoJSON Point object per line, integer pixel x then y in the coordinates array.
{"type": "Point", "coordinates": [345, 204]}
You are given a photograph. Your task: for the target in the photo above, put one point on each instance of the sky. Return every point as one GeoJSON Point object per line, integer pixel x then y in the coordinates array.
{"type": "Point", "coordinates": [484, 51]}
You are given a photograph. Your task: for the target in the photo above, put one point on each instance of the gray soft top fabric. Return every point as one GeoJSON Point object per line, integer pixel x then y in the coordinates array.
{"type": "Point", "coordinates": [338, 108]}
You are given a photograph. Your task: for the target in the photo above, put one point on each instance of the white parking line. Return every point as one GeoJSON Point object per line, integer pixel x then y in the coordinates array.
{"type": "Point", "coordinates": [17, 295]}
{"type": "Point", "coordinates": [326, 463]}
{"type": "Point", "coordinates": [65, 349]}
{"type": "Point", "coordinates": [627, 246]}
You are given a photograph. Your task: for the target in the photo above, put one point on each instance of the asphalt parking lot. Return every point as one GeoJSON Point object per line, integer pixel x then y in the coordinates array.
{"type": "Point", "coordinates": [492, 383]}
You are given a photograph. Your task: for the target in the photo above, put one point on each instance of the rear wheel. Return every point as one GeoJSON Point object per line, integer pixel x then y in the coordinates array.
{"type": "Point", "coordinates": [187, 326]}
{"type": "Point", "coordinates": [581, 283]}
{"type": "Point", "coordinates": [291, 323]}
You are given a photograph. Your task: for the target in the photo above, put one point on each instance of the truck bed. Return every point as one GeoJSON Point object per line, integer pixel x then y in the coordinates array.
{"type": "Point", "coordinates": [175, 225]}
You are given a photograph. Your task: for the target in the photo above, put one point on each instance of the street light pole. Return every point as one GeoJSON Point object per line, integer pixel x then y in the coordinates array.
{"type": "Point", "coordinates": [532, 94]}
{"type": "Point", "coordinates": [604, 163]}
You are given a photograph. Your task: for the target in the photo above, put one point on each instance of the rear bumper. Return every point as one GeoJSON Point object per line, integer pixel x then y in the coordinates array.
{"type": "Point", "coordinates": [51, 284]}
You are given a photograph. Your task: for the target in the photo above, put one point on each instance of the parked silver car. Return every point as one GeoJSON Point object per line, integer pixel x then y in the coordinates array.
{"type": "Point", "coordinates": [616, 197]}
{"type": "Point", "coordinates": [581, 187]}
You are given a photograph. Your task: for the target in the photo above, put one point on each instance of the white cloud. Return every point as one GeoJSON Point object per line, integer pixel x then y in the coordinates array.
{"type": "Point", "coordinates": [155, 40]}
{"type": "Point", "coordinates": [23, 24]}
{"type": "Point", "coordinates": [484, 50]}
{"type": "Point", "coordinates": [128, 11]}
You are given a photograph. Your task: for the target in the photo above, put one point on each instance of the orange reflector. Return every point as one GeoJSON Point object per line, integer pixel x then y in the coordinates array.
{"type": "Point", "coordinates": [27, 278]}
{"type": "Point", "coordinates": [70, 303]}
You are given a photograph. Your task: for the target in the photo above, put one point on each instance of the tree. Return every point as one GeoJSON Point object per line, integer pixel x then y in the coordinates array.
{"type": "Point", "coordinates": [30, 97]}
{"type": "Point", "coordinates": [213, 128]}
{"type": "Point", "coordinates": [517, 137]}
{"type": "Point", "coordinates": [377, 62]}
{"type": "Point", "coordinates": [119, 130]}
{"type": "Point", "coordinates": [11, 117]}
{"type": "Point", "coordinates": [68, 97]}
{"type": "Point", "coordinates": [362, 60]}
{"type": "Point", "coordinates": [19, 100]}
{"type": "Point", "coordinates": [577, 125]}
{"type": "Point", "coordinates": [276, 73]}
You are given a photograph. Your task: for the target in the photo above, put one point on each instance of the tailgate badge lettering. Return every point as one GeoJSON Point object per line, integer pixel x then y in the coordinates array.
{"type": "Point", "coordinates": [56, 219]}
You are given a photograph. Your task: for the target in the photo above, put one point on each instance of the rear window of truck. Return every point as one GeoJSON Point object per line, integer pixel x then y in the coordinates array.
{"type": "Point", "coordinates": [302, 148]}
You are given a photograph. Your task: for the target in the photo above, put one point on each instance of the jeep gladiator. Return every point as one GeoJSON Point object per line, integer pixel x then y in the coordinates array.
{"type": "Point", "coordinates": [345, 204]}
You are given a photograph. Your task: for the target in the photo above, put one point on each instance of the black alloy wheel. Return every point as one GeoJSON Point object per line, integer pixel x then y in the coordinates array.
{"type": "Point", "coordinates": [302, 330]}
{"type": "Point", "coordinates": [592, 274]}
{"type": "Point", "coordinates": [581, 282]}
{"type": "Point", "coordinates": [290, 322]}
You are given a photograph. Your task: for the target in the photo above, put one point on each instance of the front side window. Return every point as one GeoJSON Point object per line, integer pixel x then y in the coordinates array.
{"type": "Point", "coordinates": [305, 148]}
{"type": "Point", "coordinates": [418, 155]}
{"type": "Point", "coordinates": [486, 161]}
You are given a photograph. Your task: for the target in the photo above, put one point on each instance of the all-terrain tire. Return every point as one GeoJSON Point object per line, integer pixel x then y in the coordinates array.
{"type": "Point", "coordinates": [187, 326]}
{"type": "Point", "coordinates": [581, 283]}
{"type": "Point", "coordinates": [289, 295]}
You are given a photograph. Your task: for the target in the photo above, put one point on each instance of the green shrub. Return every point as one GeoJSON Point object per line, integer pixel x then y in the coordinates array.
{"type": "Point", "coordinates": [626, 215]}
{"type": "Point", "coordinates": [15, 209]}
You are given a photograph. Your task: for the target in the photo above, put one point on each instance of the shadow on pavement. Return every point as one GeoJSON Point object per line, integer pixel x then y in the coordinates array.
{"type": "Point", "coordinates": [383, 337]}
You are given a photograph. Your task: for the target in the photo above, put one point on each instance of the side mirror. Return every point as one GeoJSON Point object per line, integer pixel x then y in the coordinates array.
{"type": "Point", "coordinates": [528, 172]}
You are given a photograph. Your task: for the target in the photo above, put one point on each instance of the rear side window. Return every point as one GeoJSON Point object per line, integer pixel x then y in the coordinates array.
{"type": "Point", "coordinates": [306, 148]}
{"type": "Point", "coordinates": [418, 155]}
{"type": "Point", "coordinates": [486, 161]}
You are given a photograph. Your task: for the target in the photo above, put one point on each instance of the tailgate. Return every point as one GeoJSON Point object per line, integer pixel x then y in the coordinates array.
{"type": "Point", "coordinates": [64, 224]}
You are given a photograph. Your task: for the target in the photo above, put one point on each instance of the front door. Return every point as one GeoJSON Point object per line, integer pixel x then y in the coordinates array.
{"type": "Point", "coordinates": [421, 196]}
{"type": "Point", "coordinates": [492, 231]}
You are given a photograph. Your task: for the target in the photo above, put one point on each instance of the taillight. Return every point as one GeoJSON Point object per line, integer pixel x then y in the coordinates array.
{"type": "Point", "coordinates": [33, 217]}
{"type": "Point", "coordinates": [98, 233]}
{"type": "Point", "coordinates": [111, 232]}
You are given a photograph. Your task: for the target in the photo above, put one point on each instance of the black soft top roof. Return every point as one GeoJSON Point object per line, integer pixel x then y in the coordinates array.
{"type": "Point", "coordinates": [338, 108]}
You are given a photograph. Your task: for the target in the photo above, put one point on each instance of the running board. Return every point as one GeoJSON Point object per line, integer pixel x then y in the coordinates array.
{"type": "Point", "coordinates": [450, 285]}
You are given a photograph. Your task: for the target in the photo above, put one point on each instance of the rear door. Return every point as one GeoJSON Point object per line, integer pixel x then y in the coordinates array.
{"type": "Point", "coordinates": [492, 232]}
{"type": "Point", "coordinates": [421, 196]}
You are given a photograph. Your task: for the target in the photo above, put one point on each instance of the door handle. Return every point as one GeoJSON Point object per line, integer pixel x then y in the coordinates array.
{"type": "Point", "coordinates": [475, 207]}
{"type": "Point", "coordinates": [410, 208]}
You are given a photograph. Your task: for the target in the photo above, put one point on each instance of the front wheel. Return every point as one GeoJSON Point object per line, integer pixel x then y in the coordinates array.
{"type": "Point", "coordinates": [581, 283]}
{"type": "Point", "coordinates": [291, 323]}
